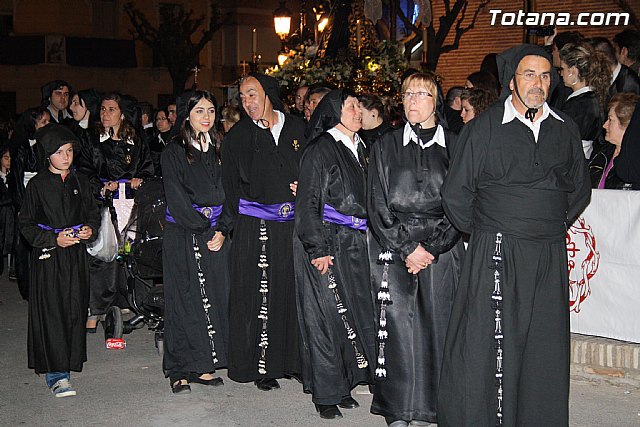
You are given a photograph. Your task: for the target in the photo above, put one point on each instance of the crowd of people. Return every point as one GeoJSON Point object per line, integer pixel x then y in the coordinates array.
{"type": "Point", "coordinates": [326, 242]}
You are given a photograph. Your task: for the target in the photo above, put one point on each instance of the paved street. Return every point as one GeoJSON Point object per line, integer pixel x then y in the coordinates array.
{"type": "Point", "coordinates": [127, 388]}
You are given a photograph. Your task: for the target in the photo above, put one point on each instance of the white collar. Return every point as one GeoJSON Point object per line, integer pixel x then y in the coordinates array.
{"type": "Point", "coordinates": [280, 120]}
{"type": "Point", "coordinates": [579, 92]}
{"type": "Point", "coordinates": [147, 126]}
{"type": "Point", "coordinates": [276, 129]}
{"type": "Point", "coordinates": [104, 136]}
{"type": "Point", "coordinates": [84, 123]}
{"type": "Point", "coordinates": [616, 72]}
{"type": "Point", "coordinates": [340, 136]}
{"type": "Point", "coordinates": [511, 113]}
{"type": "Point", "coordinates": [196, 144]}
{"type": "Point", "coordinates": [409, 135]}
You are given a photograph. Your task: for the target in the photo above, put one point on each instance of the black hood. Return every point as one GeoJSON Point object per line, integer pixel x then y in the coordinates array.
{"type": "Point", "coordinates": [271, 88]}
{"type": "Point", "coordinates": [53, 136]}
{"type": "Point", "coordinates": [508, 61]}
{"type": "Point", "coordinates": [326, 115]}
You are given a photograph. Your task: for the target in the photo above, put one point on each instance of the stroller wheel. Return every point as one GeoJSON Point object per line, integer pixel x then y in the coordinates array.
{"type": "Point", "coordinates": [113, 326]}
{"type": "Point", "coordinates": [159, 341]}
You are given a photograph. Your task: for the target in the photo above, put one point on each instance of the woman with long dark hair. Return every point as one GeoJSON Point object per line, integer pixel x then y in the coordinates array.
{"type": "Point", "coordinates": [195, 250]}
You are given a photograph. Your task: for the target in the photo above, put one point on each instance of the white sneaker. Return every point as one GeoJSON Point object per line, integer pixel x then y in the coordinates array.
{"type": "Point", "coordinates": [62, 388]}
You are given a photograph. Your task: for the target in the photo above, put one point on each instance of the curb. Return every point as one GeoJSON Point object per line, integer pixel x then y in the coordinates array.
{"type": "Point", "coordinates": [603, 359]}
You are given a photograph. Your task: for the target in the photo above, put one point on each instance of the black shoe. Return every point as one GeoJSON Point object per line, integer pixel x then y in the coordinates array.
{"type": "Point", "coordinates": [267, 384]}
{"type": "Point", "coordinates": [213, 381]}
{"type": "Point", "coordinates": [328, 412]}
{"type": "Point", "coordinates": [179, 388]}
{"type": "Point", "coordinates": [348, 403]}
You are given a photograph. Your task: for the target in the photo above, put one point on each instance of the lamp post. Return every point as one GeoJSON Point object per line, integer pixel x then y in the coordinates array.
{"type": "Point", "coordinates": [282, 25]}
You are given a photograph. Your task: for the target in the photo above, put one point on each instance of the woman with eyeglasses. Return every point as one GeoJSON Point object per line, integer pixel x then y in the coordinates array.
{"type": "Point", "coordinates": [415, 256]}
{"type": "Point", "coordinates": [161, 138]}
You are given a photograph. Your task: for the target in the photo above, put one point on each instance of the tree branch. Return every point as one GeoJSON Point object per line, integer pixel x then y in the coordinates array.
{"type": "Point", "coordinates": [460, 31]}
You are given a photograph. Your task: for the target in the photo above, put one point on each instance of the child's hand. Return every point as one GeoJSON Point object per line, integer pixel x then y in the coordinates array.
{"type": "Point", "coordinates": [85, 232]}
{"type": "Point", "coordinates": [66, 239]}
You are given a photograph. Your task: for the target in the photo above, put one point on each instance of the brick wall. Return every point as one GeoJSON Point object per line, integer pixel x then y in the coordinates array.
{"type": "Point", "coordinates": [484, 38]}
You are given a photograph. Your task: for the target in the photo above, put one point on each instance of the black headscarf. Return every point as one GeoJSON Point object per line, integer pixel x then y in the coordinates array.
{"type": "Point", "coordinates": [272, 88]}
{"type": "Point", "coordinates": [92, 100]}
{"type": "Point", "coordinates": [327, 114]}
{"type": "Point", "coordinates": [509, 60]}
{"type": "Point", "coordinates": [53, 136]}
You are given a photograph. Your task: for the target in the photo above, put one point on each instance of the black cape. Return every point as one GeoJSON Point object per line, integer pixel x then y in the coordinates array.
{"type": "Point", "coordinates": [405, 210]}
{"type": "Point", "coordinates": [502, 181]}
{"type": "Point", "coordinates": [59, 285]}
{"type": "Point", "coordinates": [255, 169]}
{"type": "Point", "coordinates": [585, 111]}
{"type": "Point", "coordinates": [331, 174]}
{"type": "Point", "coordinates": [187, 346]}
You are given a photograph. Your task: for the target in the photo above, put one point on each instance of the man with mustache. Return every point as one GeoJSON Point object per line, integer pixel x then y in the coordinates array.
{"type": "Point", "coordinates": [517, 181]}
{"type": "Point", "coordinates": [260, 158]}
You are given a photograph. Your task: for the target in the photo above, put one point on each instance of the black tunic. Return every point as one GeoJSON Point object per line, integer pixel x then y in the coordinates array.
{"type": "Point", "coordinates": [585, 111]}
{"type": "Point", "coordinates": [405, 211]}
{"type": "Point", "coordinates": [59, 285]}
{"type": "Point", "coordinates": [187, 346]}
{"type": "Point", "coordinates": [255, 169]}
{"type": "Point", "coordinates": [331, 174]}
{"type": "Point", "coordinates": [114, 160]}
{"type": "Point", "coordinates": [502, 181]}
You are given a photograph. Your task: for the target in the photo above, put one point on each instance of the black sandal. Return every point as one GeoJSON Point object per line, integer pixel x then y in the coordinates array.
{"type": "Point", "coordinates": [179, 388]}
{"type": "Point", "coordinates": [215, 381]}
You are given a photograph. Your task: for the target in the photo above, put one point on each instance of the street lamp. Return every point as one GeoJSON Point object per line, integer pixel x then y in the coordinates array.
{"type": "Point", "coordinates": [282, 21]}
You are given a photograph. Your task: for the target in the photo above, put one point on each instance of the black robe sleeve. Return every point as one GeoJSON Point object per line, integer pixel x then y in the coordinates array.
{"type": "Point", "coordinates": [28, 219]}
{"type": "Point", "coordinates": [460, 186]}
{"type": "Point", "coordinates": [312, 186]}
{"type": "Point", "coordinates": [578, 173]}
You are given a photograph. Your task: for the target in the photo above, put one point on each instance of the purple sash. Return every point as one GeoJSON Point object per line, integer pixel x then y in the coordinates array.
{"type": "Point", "coordinates": [76, 228]}
{"type": "Point", "coordinates": [332, 215]}
{"type": "Point", "coordinates": [116, 194]}
{"type": "Point", "coordinates": [210, 212]}
{"type": "Point", "coordinates": [280, 212]}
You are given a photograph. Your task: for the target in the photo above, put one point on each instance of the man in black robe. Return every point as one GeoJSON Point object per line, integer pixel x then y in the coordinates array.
{"type": "Point", "coordinates": [517, 181]}
{"type": "Point", "coordinates": [260, 157]}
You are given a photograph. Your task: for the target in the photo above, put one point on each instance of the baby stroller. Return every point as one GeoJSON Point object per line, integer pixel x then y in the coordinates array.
{"type": "Point", "coordinates": [141, 256]}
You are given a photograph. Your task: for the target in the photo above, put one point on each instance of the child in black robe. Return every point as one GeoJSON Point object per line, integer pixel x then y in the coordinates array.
{"type": "Point", "coordinates": [58, 213]}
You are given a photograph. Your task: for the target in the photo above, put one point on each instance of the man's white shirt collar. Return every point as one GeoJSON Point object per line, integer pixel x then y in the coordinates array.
{"type": "Point", "coordinates": [616, 72]}
{"type": "Point", "coordinates": [409, 135]}
{"type": "Point", "coordinates": [579, 92]}
{"type": "Point", "coordinates": [511, 113]}
{"type": "Point", "coordinates": [275, 129]}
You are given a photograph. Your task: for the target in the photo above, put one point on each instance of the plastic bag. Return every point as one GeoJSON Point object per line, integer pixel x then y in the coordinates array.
{"type": "Point", "coordinates": [105, 247]}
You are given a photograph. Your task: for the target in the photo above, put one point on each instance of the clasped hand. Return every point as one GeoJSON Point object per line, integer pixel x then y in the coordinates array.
{"type": "Point", "coordinates": [68, 237]}
{"type": "Point", "coordinates": [418, 260]}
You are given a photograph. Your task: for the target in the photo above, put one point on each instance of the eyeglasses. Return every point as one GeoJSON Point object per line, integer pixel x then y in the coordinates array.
{"type": "Point", "coordinates": [531, 76]}
{"type": "Point", "coordinates": [419, 95]}
{"type": "Point", "coordinates": [161, 119]}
